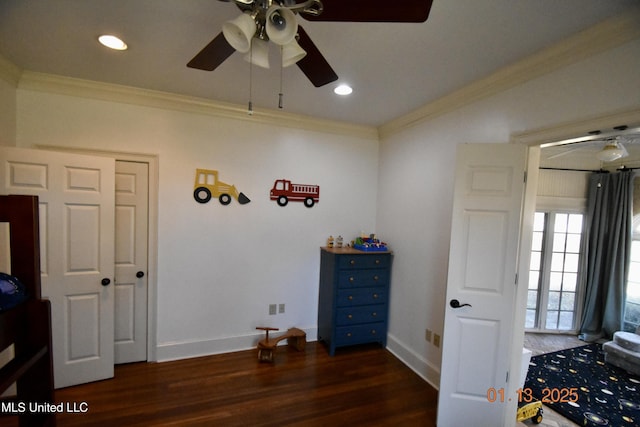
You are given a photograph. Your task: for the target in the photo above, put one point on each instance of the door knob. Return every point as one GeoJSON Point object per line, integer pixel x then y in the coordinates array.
{"type": "Point", "coordinates": [105, 282]}
{"type": "Point", "coordinates": [140, 274]}
{"type": "Point", "coordinates": [456, 304]}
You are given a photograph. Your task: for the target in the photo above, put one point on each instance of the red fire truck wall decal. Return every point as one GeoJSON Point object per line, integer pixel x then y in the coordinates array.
{"type": "Point", "coordinates": [284, 191]}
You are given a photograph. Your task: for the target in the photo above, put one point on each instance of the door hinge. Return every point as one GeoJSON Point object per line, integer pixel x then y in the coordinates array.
{"type": "Point", "coordinates": [525, 177]}
{"type": "Point", "coordinates": [507, 379]}
{"type": "Point", "coordinates": [516, 281]}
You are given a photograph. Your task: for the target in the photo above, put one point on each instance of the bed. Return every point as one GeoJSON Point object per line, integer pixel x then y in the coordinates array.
{"type": "Point", "coordinates": [25, 328]}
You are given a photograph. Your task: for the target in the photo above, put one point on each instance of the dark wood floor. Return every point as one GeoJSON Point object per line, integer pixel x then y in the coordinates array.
{"type": "Point", "coordinates": [359, 386]}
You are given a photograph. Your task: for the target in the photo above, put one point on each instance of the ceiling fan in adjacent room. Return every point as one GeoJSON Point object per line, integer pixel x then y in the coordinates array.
{"type": "Point", "coordinates": [606, 149]}
{"type": "Point", "coordinates": [613, 149]}
{"type": "Point", "coordinates": [264, 21]}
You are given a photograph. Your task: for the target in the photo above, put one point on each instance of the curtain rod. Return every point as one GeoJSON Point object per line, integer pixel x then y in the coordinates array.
{"type": "Point", "coordinates": [574, 170]}
{"type": "Point", "coordinates": [621, 169]}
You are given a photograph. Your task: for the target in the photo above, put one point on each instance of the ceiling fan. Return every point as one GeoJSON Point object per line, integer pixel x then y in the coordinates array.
{"type": "Point", "coordinates": [274, 20]}
{"type": "Point", "coordinates": [606, 150]}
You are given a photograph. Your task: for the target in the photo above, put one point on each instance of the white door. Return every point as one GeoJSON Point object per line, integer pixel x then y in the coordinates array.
{"type": "Point", "coordinates": [132, 184]}
{"type": "Point", "coordinates": [483, 258]}
{"type": "Point", "coordinates": [76, 195]}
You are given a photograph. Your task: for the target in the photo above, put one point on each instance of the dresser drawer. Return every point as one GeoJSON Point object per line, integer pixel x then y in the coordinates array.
{"type": "Point", "coordinates": [360, 314]}
{"type": "Point", "coordinates": [362, 278]}
{"type": "Point", "coordinates": [364, 261]}
{"type": "Point", "coordinates": [347, 335]}
{"type": "Point", "coordinates": [361, 296]}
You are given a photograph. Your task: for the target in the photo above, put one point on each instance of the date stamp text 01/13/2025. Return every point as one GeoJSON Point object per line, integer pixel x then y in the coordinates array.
{"type": "Point", "coordinates": [549, 395]}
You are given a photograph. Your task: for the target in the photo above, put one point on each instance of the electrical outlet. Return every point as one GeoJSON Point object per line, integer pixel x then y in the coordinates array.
{"type": "Point", "coordinates": [427, 335]}
{"type": "Point", "coordinates": [436, 340]}
{"type": "Point", "coordinates": [273, 309]}
{"type": "Point", "coordinates": [281, 308]}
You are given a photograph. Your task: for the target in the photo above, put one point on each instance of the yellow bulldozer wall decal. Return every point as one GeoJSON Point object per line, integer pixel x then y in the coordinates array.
{"type": "Point", "coordinates": [207, 186]}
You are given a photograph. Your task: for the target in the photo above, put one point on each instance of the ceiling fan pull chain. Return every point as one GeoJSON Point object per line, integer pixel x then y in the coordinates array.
{"type": "Point", "coordinates": [280, 95]}
{"type": "Point", "coordinates": [250, 107]}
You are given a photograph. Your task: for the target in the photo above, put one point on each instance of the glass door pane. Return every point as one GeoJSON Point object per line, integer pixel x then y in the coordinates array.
{"type": "Point", "coordinates": [555, 258]}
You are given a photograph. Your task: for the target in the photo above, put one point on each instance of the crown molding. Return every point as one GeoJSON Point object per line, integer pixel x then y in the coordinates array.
{"type": "Point", "coordinates": [601, 37]}
{"type": "Point", "coordinates": [69, 86]}
{"type": "Point", "coordinates": [9, 72]}
{"type": "Point", "coordinates": [606, 35]}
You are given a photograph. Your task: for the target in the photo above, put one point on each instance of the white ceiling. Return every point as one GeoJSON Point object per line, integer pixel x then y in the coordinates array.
{"type": "Point", "coordinates": [394, 68]}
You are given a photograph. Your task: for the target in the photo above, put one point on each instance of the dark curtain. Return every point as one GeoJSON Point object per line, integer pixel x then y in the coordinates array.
{"type": "Point", "coordinates": [606, 249]}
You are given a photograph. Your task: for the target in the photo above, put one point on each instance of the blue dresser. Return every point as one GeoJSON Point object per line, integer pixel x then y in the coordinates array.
{"type": "Point", "coordinates": [353, 304]}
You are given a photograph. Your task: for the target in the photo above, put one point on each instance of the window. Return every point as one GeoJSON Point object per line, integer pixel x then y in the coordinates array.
{"type": "Point", "coordinates": [632, 307]}
{"type": "Point", "coordinates": [553, 276]}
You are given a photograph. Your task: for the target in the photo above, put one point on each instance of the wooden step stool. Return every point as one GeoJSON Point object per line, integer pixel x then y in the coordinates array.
{"type": "Point", "coordinates": [296, 338]}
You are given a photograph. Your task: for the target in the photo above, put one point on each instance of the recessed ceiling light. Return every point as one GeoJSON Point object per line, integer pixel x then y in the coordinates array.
{"type": "Point", "coordinates": [343, 90]}
{"type": "Point", "coordinates": [112, 42]}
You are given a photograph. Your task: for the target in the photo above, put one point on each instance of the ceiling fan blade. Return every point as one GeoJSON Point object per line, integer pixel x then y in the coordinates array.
{"type": "Point", "coordinates": [562, 153]}
{"type": "Point", "coordinates": [625, 153]}
{"type": "Point", "coordinates": [313, 65]}
{"type": "Point", "coordinates": [212, 55]}
{"type": "Point", "coordinates": [373, 11]}
{"type": "Point", "coordinates": [630, 138]}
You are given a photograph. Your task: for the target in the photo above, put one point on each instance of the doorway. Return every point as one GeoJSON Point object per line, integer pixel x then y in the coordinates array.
{"type": "Point", "coordinates": [560, 191]}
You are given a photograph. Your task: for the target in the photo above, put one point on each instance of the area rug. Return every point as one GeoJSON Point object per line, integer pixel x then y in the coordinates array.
{"type": "Point", "coordinates": [578, 384]}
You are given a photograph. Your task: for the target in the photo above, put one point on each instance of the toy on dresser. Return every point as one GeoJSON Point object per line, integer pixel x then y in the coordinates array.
{"type": "Point", "coordinates": [370, 244]}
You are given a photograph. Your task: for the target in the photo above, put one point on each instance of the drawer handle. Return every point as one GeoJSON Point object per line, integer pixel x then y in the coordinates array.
{"type": "Point", "coordinates": [375, 296]}
{"type": "Point", "coordinates": [350, 297]}
{"type": "Point", "coordinates": [377, 261]}
{"type": "Point", "coordinates": [349, 334]}
{"type": "Point", "coordinates": [373, 332]}
{"type": "Point", "coordinates": [374, 314]}
{"type": "Point", "coordinates": [375, 277]}
{"type": "Point", "coordinates": [351, 279]}
{"type": "Point", "coordinates": [350, 316]}
{"type": "Point", "coordinates": [352, 262]}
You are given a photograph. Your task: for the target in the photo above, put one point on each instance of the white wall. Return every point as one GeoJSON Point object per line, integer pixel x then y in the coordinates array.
{"type": "Point", "coordinates": [416, 170]}
{"type": "Point", "coordinates": [219, 267]}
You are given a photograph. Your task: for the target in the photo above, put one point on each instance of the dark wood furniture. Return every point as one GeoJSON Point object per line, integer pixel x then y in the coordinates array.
{"type": "Point", "coordinates": [353, 303]}
{"type": "Point", "coordinates": [296, 338]}
{"type": "Point", "coordinates": [28, 325]}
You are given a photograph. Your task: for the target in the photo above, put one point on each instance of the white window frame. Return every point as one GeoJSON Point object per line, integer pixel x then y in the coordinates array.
{"type": "Point", "coordinates": [543, 286]}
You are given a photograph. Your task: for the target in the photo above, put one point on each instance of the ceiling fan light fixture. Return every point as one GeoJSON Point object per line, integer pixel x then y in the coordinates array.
{"type": "Point", "coordinates": [611, 151]}
{"type": "Point", "coordinates": [292, 53]}
{"type": "Point", "coordinates": [239, 31]}
{"type": "Point", "coordinates": [112, 42]}
{"type": "Point", "coordinates": [281, 25]}
{"type": "Point", "coordinates": [259, 53]}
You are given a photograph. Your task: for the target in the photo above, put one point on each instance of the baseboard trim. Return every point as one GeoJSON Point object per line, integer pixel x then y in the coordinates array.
{"type": "Point", "coordinates": [414, 361]}
{"type": "Point", "coordinates": [178, 350]}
